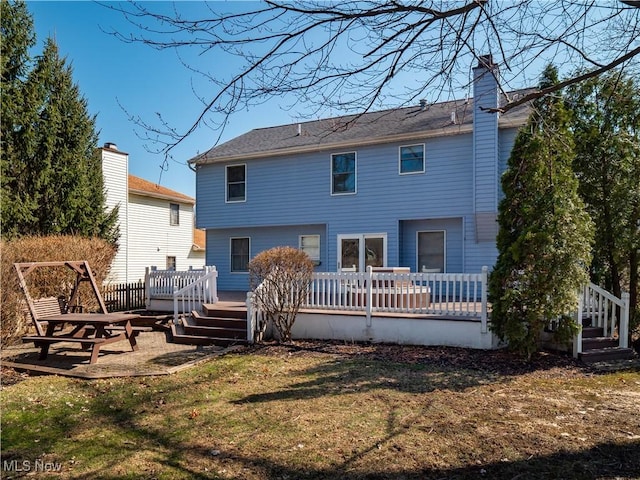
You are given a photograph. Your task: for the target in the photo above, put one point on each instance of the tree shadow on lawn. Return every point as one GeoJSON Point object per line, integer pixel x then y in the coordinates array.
{"type": "Point", "coordinates": [412, 370]}
{"type": "Point", "coordinates": [602, 461]}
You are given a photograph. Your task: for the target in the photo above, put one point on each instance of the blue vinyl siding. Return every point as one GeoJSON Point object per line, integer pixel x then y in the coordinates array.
{"type": "Point", "coordinates": [454, 241]}
{"type": "Point", "coordinates": [218, 248]}
{"type": "Point", "coordinates": [297, 190]}
{"type": "Point", "coordinates": [288, 196]}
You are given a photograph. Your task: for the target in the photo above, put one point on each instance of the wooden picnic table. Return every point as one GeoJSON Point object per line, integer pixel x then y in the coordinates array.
{"type": "Point", "coordinates": [89, 329]}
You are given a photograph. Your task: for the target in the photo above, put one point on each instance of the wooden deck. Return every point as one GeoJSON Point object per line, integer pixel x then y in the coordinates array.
{"type": "Point", "coordinates": [236, 300]}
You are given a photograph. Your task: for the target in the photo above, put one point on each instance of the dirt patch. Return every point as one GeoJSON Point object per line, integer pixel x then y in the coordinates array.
{"type": "Point", "coordinates": [500, 362]}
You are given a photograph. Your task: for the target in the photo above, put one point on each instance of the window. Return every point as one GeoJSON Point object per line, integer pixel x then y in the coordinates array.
{"type": "Point", "coordinates": [174, 214]}
{"type": "Point", "coordinates": [236, 183]}
{"type": "Point", "coordinates": [171, 263]}
{"type": "Point", "coordinates": [431, 251]}
{"type": "Point", "coordinates": [240, 254]}
{"type": "Point", "coordinates": [343, 173]}
{"type": "Point", "coordinates": [412, 159]}
{"type": "Point", "coordinates": [310, 244]}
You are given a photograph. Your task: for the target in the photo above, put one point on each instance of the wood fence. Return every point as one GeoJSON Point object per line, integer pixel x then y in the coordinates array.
{"type": "Point", "coordinates": [120, 297]}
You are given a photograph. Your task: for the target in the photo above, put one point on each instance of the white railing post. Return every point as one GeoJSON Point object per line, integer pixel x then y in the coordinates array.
{"type": "Point", "coordinates": [483, 299]}
{"type": "Point", "coordinates": [368, 282]}
{"type": "Point", "coordinates": [623, 328]}
{"type": "Point", "coordinates": [577, 340]}
{"type": "Point", "coordinates": [251, 318]}
{"type": "Point", "coordinates": [147, 288]}
{"type": "Point", "coordinates": [175, 310]}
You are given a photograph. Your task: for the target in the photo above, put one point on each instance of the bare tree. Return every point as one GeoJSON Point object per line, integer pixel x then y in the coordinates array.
{"type": "Point", "coordinates": [352, 57]}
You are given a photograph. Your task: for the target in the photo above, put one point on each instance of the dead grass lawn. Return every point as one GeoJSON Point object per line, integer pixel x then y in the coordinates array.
{"type": "Point", "coordinates": [320, 411]}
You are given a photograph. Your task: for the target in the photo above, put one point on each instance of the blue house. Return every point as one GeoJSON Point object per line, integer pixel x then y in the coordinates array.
{"type": "Point", "coordinates": [414, 187]}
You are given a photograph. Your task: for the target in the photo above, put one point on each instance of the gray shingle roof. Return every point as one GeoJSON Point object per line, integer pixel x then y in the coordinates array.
{"type": "Point", "coordinates": [356, 130]}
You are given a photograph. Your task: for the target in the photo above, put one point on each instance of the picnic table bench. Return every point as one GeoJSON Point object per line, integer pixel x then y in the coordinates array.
{"type": "Point", "coordinates": [51, 316]}
{"type": "Point", "coordinates": [90, 330]}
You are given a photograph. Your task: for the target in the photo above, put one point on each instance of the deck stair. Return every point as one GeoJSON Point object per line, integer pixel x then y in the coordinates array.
{"type": "Point", "coordinates": [599, 348]}
{"type": "Point", "coordinates": [214, 326]}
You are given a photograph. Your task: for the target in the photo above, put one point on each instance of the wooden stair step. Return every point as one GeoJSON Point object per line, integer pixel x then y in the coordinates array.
{"type": "Point", "coordinates": [192, 328]}
{"type": "Point", "coordinates": [595, 343]}
{"type": "Point", "coordinates": [213, 310]}
{"type": "Point", "coordinates": [240, 323]}
{"type": "Point", "coordinates": [592, 332]}
{"type": "Point", "coordinates": [604, 354]}
{"type": "Point", "coordinates": [178, 335]}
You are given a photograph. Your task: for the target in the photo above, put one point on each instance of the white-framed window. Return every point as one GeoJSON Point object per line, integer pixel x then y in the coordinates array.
{"type": "Point", "coordinates": [174, 214]}
{"type": "Point", "coordinates": [171, 263]}
{"type": "Point", "coordinates": [240, 248]}
{"type": "Point", "coordinates": [411, 159]}
{"type": "Point", "coordinates": [432, 251]}
{"type": "Point", "coordinates": [236, 181]}
{"type": "Point", "coordinates": [310, 244]}
{"type": "Point", "coordinates": [343, 173]}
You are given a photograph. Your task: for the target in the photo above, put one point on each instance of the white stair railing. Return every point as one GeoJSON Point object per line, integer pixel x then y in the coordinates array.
{"type": "Point", "coordinates": [605, 311]}
{"type": "Point", "coordinates": [203, 289]}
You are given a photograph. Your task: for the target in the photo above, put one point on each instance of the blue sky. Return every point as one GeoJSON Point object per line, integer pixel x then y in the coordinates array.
{"type": "Point", "coordinates": [112, 74]}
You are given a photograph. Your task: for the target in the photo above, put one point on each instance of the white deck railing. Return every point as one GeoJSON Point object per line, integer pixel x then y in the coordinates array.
{"type": "Point", "coordinates": [606, 311]}
{"type": "Point", "coordinates": [161, 284]}
{"type": "Point", "coordinates": [204, 289]}
{"type": "Point", "coordinates": [446, 294]}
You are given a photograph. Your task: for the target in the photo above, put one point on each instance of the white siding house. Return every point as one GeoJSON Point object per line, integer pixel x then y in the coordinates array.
{"type": "Point", "coordinates": [156, 223]}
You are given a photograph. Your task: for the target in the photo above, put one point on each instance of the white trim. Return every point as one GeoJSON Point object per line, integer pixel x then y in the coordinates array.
{"type": "Point", "coordinates": [226, 183]}
{"type": "Point", "coordinates": [424, 159]}
{"type": "Point", "coordinates": [444, 260]}
{"type": "Point", "coordinates": [361, 237]}
{"type": "Point", "coordinates": [231, 239]}
{"type": "Point", "coordinates": [355, 172]}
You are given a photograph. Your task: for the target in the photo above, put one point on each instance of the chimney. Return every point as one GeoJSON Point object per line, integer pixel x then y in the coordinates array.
{"type": "Point", "coordinates": [111, 146]}
{"type": "Point", "coordinates": [486, 149]}
{"type": "Point", "coordinates": [423, 105]}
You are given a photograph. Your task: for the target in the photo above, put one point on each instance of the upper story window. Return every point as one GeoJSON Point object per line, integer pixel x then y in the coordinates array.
{"type": "Point", "coordinates": [343, 173]}
{"type": "Point", "coordinates": [412, 159]}
{"type": "Point", "coordinates": [174, 214]}
{"type": "Point", "coordinates": [310, 244]}
{"type": "Point", "coordinates": [236, 183]}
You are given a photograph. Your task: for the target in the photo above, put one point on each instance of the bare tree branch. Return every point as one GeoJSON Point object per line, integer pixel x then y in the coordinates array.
{"type": "Point", "coordinates": [352, 57]}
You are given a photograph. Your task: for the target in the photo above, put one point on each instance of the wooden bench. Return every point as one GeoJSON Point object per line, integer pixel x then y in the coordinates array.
{"type": "Point", "coordinates": [43, 342]}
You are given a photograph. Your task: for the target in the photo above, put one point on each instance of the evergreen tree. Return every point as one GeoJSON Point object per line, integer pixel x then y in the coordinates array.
{"type": "Point", "coordinates": [606, 127]}
{"type": "Point", "coordinates": [55, 185]}
{"type": "Point", "coordinates": [17, 39]}
{"type": "Point", "coordinates": [545, 233]}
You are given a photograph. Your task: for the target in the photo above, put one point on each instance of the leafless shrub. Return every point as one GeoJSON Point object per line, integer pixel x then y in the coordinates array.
{"type": "Point", "coordinates": [280, 279]}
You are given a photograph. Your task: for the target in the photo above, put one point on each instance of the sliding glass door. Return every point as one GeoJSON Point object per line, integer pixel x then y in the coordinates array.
{"type": "Point", "coordinates": [359, 251]}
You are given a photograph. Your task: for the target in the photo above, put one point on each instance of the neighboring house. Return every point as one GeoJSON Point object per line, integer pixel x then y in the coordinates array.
{"type": "Point", "coordinates": [156, 223]}
{"type": "Point", "coordinates": [416, 187]}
